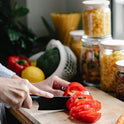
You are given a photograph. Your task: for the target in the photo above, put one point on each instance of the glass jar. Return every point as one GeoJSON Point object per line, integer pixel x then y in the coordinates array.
{"type": "Point", "coordinates": [90, 60]}
{"type": "Point", "coordinates": [110, 52]}
{"type": "Point", "coordinates": [76, 43]}
{"type": "Point", "coordinates": [120, 80]}
{"type": "Point", "coordinates": [96, 18]}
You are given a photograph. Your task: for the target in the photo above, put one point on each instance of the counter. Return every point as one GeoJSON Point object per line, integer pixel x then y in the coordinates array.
{"type": "Point", "coordinates": [112, 108]}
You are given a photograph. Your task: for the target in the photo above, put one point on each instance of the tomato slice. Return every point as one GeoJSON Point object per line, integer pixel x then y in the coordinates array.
{"type": "Point", "coordinates": [77, 96]}
{"type": "Point", "coordinates": [72, 88]}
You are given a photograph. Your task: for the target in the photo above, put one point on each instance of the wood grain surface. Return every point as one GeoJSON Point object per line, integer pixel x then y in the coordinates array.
{"type": "Point", "coordinates": [112, 108]}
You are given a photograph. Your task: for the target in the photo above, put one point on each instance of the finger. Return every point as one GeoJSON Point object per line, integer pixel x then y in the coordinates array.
{"type": "Point", "coordinates": [34, 90]}
{"type": "Point", "coordinates": [59, 83]}
{"type": "Point", "coordinates": [10, 100]}
{"type": "Point", "coordinates": [27, 103]}
{"type": "Point", "coordinates": [58, 92]}
{"type": "Point", "coordinates": [19, 94]}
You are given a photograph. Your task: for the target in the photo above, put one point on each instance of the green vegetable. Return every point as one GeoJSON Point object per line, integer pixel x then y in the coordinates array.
{"type": "Point", "coordinates": [49, 61]}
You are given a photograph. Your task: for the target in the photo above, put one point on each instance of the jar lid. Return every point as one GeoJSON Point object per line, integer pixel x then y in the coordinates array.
{"type": "Point", "coordinates": [97, 38]}
{"type": "Point", "coordinates": [120, 64]}
{"type": "Point", "coordinates": [96, 3]}
{"type": "Point", "coordinates": [112, 44]}
{"type": "Point", "coordinates": [77, 34]}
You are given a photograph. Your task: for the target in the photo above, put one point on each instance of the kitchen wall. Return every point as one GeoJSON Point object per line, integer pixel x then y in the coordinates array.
{"type": "Point", "coordinates": [118, 20]}
{"type": "Point", "coordinates": [43, 8]}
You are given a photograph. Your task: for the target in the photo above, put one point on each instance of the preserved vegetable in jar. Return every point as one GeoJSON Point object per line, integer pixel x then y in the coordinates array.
{"type": "Point", "coordinates": [120, 80]}
{"type": "Point", "coordinates": [97, 18]}
{"type": "Point", "coordinates": [90, 60]}
{"type": "Point", "coordinates": [110, 52]}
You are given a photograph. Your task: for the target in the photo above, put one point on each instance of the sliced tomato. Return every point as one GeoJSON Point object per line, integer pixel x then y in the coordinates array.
{"type": "Point", "coordinates": [77, 96]}
{"type": "Point", "coordinates": [72, 88]}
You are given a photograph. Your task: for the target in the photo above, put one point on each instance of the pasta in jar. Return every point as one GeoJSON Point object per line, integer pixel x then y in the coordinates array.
{"type": "Point", "coordinates": [111, 51]}
{"type": "Point", "coordinates": [96, 18]}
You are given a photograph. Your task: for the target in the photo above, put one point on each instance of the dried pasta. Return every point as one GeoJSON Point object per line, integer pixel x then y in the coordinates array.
{"type": "Point", "coordinates": [108, 70]}
{"type": "Point", "coordinates": [96, 22]}
{"type": "Point", "coordinates": [64, 23]}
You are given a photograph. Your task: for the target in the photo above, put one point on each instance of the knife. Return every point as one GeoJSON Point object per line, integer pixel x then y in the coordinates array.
{"type": "Point", "coordinates": [55, 103]}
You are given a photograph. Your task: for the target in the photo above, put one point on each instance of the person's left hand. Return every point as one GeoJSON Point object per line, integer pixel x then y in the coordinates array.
{"type": "Point", "coordinates": [53, 85]}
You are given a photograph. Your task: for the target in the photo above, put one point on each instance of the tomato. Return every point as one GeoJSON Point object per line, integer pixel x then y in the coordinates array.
{"type": "Point", "coordinates": [72, 88]}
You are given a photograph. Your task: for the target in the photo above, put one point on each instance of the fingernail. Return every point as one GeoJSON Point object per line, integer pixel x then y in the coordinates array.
{"type": "Point", "coordinates": [50, 95]}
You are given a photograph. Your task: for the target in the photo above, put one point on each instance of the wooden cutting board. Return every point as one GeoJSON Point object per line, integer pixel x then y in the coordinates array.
{"type": "Point", "coordinates": [112, 108]}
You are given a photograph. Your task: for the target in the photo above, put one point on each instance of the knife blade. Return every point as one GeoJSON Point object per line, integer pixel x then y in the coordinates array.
{"type": "Point", "coordinates": [55, 103]}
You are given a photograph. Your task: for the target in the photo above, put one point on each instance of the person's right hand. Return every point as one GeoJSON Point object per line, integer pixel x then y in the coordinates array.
{"type": "Point", "coordinates": [16, 92]}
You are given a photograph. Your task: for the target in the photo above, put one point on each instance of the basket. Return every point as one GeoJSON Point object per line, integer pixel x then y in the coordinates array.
{"type": "Point", "coordinates": [67, 67]}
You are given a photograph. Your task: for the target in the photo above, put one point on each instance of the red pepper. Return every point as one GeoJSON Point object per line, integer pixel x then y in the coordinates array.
{"type": "Point", "coordinates": [89, 116]}
{"type": "Point", "coordinates": [82, 106]}
{"type": "Point", "coordinates": [17, 64]}
{"type": "Point", "coordinates": [78, 96]}
{"type": "Point", "coordinates": [86, 110]}
{"type": "Point", "coordinates": [92, 103]}
{"type": "Point", "coordinates": [72, 88]}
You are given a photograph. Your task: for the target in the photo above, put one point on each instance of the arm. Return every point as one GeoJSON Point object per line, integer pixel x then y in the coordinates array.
{"type": "Point", "coordinates": [15, 91]}
{"type": "Point", "coordinates": [53, 85]}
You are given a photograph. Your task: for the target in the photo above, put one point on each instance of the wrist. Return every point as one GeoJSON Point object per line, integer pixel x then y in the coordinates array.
{"type": "Point", "coordinates": [15, 77]}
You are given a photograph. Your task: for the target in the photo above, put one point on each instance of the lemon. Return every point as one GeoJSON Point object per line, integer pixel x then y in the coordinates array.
{"type": "Point", "coordinates": [33, 74]}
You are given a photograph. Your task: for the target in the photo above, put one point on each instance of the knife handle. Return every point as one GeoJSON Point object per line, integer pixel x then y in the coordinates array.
{"type": "Point", "coordinates": [54, 103]}
{"type": "Point", "coordinates": [34, 97]}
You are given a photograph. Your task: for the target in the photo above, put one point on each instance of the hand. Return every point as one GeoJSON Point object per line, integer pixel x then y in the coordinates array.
{"type": "Point", "coordinates": [53, 85]}
{"type": "Point", "coordinates": [16, 92]}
